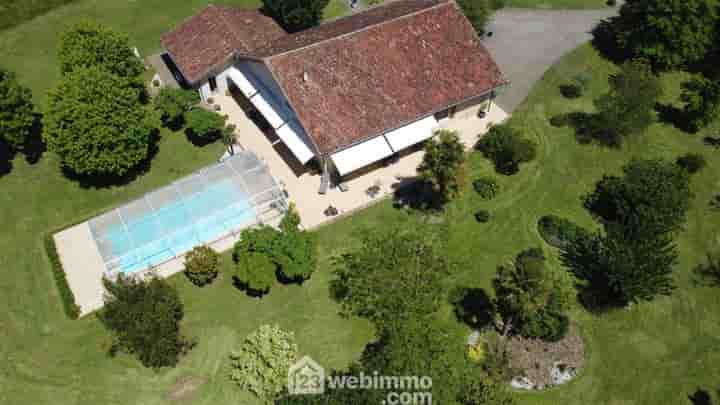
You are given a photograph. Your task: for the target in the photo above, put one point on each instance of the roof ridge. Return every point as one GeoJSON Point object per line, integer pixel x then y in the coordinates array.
{"type": "Point", "coordinates": [441, 3]}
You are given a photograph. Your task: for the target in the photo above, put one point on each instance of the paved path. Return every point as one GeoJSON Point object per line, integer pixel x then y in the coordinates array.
{"type": "Point", "coordinates": [526, 42]}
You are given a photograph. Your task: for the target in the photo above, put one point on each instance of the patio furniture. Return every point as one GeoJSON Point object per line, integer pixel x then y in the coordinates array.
{"type": "Point", "coordinates": [330, 211]}
{"type": "Point", "coordinates": [374, 190]}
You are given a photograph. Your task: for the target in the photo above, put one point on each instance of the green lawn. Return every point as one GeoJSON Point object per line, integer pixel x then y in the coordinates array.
{"type": "Point", "coordinates": [15, 12]}
{"type": "Point", "coordinates": [30, 49]}
{"type": "Point", "coordinates": [557, 4]}
{"type": "Point", "coordinates": [654, 353]}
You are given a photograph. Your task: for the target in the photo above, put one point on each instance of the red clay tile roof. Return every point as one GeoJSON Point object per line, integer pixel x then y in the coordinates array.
{"type": "Point", "coordinates": [405, 60]}
{"type": "Point", "coordinates": [344, 26]}
{"type": "Point", "coordinates": [211, 37]}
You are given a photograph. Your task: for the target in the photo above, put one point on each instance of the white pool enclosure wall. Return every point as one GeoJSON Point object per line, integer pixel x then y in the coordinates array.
{"type": "Point", "coordinates": [212, 204]}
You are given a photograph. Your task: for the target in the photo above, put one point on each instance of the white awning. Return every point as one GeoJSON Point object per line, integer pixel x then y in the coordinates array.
{"type": "Point", "coordinates": [361, 155]}
{"type": "Point", "coordinates": [242, 82]}
{"type": "Point", "coordinates": [267, 110]}
{"type": "Point", "coordinates": [289, 133]}
{"type": "Point", "coordinates": [411, 134]}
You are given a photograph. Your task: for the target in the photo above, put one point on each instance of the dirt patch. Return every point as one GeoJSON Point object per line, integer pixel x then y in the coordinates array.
{"type": "Point", "coordinates": [538, 362]}
{"type": "Point", "coordinates": [185, 388]}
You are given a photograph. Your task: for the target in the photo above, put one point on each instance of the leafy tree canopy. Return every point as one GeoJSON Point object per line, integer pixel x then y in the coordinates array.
{"type": "Point", "coordinates": [702, 102]}
{"type": "Point", "coordinates": [16, 110]}
{"type": "Point", "coordinates": [669, 33]}
{"type": "Point", "coordinates": [95, 123]}
{"type": "Point", "coordinates": [145, 318]}
{"type": "Point", "coordinates": [630, 105]}
{"type": "Point", "coordinates": [443, 165]}
{"type": "Point", "coordinates": [391, 275]}
{"type": "Point", "coordinates": [90, 44]}
{"type": "Point", "coordinates": [617, 269]}
{"type": "Point", "coordinates": [172, 104]}
{"type": "Point", "coordinates": [505, 146]}
{"type": "Point", "coordinates": [296, 15]}
{"type": "Point", "coordinates": [531, 299]}
{"type": "Point", "coordinates": [652, 197]}
{"type": "Point", "coordinates": [201, 265]}
{"type": "Point", "coordinates": [423, 346]}
{"type": "Point", "coordinates": [262, 362]}
{"type": "Point", "coordinates": [205, 124]}
{"type": "Point", "coordinates": [478, 12]}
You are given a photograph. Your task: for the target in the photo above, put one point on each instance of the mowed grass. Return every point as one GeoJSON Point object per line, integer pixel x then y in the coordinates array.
{"type": "Point", "coordinates": [653, 353]}
{"type": "Point", "coordinates": [15, 12]}
{"type": "Point", "coordinates": [557, 4]}
{"type": "Point", "coordinates": [31, 48]}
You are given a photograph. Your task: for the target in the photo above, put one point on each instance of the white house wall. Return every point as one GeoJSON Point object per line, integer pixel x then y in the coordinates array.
{"type": "Point", "coordinates": [205, 92]}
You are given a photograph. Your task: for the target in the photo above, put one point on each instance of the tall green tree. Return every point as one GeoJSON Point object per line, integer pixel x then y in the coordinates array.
{"type": "Point", "coordinates": [531, 299]}
{"type": "Point", "coordinates": [16, 110]}
{"type": "Point", "coordinates": [635, 257]}
{"type": "Point", "coordinates": [617, 269]}
{"type": "Point", "coordinates": [391, 275]}
{"type": "Point", "coordinates": [296, 254]}
{"type": "Point", "coordinates": [172, 104]}
{"type": "Point", "coordinates": [629, 106]}
{"type": "Point", "coordinates": [425, 347]}
{"type": "Point", "coordinates": [702, 102]}
{"type": "Point", "coordinates": [477, 12]}
{"type": "Point", "coordinates": [668, 33]}
{"type": "Point", "coordinates": [296, 15]}
{"type": "Point", "coordinates": [262, 362]}
{"type": "Point", "coordinates": [96, 124]}
{"type": "Point", "coordinates": [505, 146]}
{"type": "Point", "coordinates": [443, 165]}
{"type": "Point", "coordinates": [650, 198]}
{"type": "Point", "coordinates": [144, 317]}
{"type": "Point", "coordinates": [90, 44]}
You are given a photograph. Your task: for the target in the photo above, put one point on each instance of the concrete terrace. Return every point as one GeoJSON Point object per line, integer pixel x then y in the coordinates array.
{"type": "Point", "coordinates": [302, 186]}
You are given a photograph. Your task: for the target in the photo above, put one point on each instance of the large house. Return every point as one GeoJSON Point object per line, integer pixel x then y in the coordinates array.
{"type": "Point", "coordinates": [350, 92]}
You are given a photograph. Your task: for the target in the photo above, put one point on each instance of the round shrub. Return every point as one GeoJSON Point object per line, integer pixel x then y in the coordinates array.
{"type": "Point", "coordinates": [571, 91]}
{"type": "Point", "coordinates": [506, 148]}
{"type": "Point", "coordinates": [487, 187]}
{"type": "Point", "coordinates": [692, 162]}
{"type": "Point", "coordinates": [204, 125]}
{"type": "Point", "coordinates": [558, 232]}
{"type": "Point", "coordinates": [201, 265]}
{"type": "Point", "coordinates": [482, 216]}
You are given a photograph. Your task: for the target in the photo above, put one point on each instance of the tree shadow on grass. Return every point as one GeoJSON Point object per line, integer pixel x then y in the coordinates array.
{"type": "Point", "coordinates": [413, 193]}
{"type": "Point", "coordinates": [588, 129]}
{"type": "Point", "coordinates": [32, 149]}
{"type": "Point", "coordinates": [700, 397]}
{"type": "Point", "coordinates": [674, 116]}
{"type": "Point", "coordinates": [7, 155]}
{"type": "Point", "coordinates": [473, 306]}
{"type": "Point", "coordinates": [105, 181]}
{"type": "Point", "coordinates": [200, 141]}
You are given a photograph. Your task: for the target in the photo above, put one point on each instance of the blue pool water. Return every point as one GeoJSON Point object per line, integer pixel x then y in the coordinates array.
{"type": "Point", "coordinates": [179, 226]}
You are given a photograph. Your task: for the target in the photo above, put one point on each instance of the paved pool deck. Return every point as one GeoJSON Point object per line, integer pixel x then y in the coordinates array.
{"type": "Point", "coordinates": [84, 266]}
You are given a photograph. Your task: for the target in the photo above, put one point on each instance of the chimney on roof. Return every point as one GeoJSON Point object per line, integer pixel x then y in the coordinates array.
{"type": "Point", "coordinates": [306, 77]}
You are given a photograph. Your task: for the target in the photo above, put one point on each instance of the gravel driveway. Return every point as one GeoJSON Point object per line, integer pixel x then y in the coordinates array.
{"type": "Point", "coordinates": [526, 42]}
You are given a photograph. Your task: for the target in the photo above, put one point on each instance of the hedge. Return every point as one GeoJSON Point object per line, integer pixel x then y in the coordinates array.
{"type": "Point", "coordinates": [72, 310]}
{"type": "Point", "coordinates": [558, 232]}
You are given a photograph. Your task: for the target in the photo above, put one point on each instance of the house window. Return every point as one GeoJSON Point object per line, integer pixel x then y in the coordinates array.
{"type": "Point", "coordinates": [213, 83]}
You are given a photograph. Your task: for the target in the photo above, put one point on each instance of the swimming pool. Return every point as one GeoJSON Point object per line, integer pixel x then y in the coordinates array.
{"type": "Point", "coordinates": [199, 209]}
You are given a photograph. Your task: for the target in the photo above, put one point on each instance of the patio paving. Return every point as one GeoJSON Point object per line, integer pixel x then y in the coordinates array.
{"type": "Point", "coordinates": [302, 186]}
